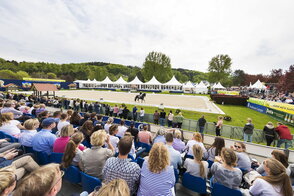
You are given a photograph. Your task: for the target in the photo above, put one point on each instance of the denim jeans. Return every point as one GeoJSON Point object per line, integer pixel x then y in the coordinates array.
{"type": "Point", "coordinates": [288, 143]}
{"type": "Point", "coordinates": [201, 130]}
{"type": "Point", "coordinates": [141, 118]}
{"type": "Point", "coordinates": [162, 121]}
{"type": "Point", "coordinates": [247, 137]}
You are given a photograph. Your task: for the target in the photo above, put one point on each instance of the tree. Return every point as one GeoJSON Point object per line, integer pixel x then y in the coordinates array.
{"type": "Point", "coordinates": [157, 64]}
{"type": "Point", "coordinates": [238, 78]}
{"type": "Point", "coordinates": [51, 75]}
{"type": "Point", "coordinates": [7, 74]}
{"type": "Point", "coordinates": [275, 75]}
{"type": "Point", "coordinates": [219, 68]}
{"type": "Point", "coordinates": [286, 82]}
{"type": "Point", "coordinates": [22, 74]}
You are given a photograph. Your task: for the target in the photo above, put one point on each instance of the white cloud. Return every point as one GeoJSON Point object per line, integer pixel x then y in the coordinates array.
{"type": "Point", "coordinates": [256, 34]}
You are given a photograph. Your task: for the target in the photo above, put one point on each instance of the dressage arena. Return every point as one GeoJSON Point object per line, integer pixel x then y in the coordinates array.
{"type": "Point", "coordinates": [183, 102]}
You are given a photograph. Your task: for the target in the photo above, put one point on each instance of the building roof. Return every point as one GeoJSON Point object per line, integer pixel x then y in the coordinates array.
{"type": "Point", "coordinates": [120, 80]}
{"type": "Point", "coordinates": [136, 81]}
{"type": "Point", "coordinates": [153, 81]}
{"type": "Point", "coordinates": [44, 87]}
{"type": "Point", "coordinates": [173, 82]}
{"type": "Point", "coordinates": [10, 85]}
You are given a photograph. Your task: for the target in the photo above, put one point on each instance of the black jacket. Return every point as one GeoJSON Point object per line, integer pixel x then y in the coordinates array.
{"type": "Point", "coordinates": [248, 128]}
{"type": "Point", "coordinates": [269, 131]}
{"type": "Point", "coordinates": [201, 122]}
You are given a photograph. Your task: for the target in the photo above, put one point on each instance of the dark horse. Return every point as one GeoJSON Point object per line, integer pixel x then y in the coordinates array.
{"type": "Point", "coordinates": [140, 96]}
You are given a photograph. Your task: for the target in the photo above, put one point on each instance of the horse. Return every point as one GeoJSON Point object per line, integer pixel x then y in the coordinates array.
{"type": "Point", "coordinates": [140, 96]}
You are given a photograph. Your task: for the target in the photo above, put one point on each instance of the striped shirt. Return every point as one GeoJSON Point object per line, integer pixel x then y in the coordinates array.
{"type": "Point", "coordinates": [154, 184]}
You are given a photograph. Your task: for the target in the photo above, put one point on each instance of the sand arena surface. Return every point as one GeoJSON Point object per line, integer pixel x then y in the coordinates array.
{"type": "Point", "coordinates": [184, 102]}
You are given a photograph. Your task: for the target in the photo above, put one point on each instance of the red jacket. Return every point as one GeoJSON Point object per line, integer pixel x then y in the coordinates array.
{"type": "Point", "coordinates": [284, 132]}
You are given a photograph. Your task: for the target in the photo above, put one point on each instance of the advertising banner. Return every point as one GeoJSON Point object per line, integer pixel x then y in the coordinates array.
{"type": "Point", "coordinates": [228, 92]}
{"type": "Point", "coordinates": [282, 116]}
{"type": "Point", "coordinates": [258, 108]}
{"type": "Point", "coordinates": [283, 107]}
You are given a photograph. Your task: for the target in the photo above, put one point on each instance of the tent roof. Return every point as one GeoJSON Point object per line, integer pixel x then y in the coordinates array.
{"type": "Point", "coordinates": [201, 85]}
{"type": "Point", "coordinates": [173, 82]}
{"type": "Point", "coordinates": [44, 87]}
{"type": "Point", "coordinates": [153, 81]}
{"type": "Point", "coordinates": [106, 81]}
{"type": "Point", "coordinates": [120, 80]}
{"type": "Point", "coordinates": [258, 85]}
{"type": "Point", "coordinates": [189, 85]}
{"type": "Point", "coordinates": [136, 81]}
{"type": "Point", "coordinates": [218, 85]}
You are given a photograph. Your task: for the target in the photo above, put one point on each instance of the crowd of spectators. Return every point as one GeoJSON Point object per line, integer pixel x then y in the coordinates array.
{"type": "Point", "coordinates": [103, 150]}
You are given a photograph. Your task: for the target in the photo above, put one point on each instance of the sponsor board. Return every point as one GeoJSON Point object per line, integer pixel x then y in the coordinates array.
{"type": "Point", "coordinates": [283, 107]}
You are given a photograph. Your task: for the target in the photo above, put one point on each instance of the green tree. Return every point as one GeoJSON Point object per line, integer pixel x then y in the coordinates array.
{"type": "Point", "coordinates": [51, 75]}
{"type": "Point", "coordinates": [22, 74]}
{"type": "Point", "coordinates": [157, 64]}
{"type": "Point", "coordinates": [238, 77]}
{"type": "Point", "coordinates": [7, 74]}
{"type": "Point", "coordinates": [219, 68]}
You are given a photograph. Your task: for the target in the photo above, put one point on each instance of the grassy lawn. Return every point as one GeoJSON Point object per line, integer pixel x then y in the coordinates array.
{"type": "Point", "coordinates": [239, 115]}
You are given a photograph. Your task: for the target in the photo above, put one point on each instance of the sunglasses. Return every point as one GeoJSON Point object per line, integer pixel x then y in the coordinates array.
{"type": "Point", "coordinates": [237, 146]}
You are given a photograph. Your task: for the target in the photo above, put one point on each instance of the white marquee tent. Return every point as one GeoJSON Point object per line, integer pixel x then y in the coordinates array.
{"type": "Point", "coordinates": [218, 86]}
{"type": "Point", "coordinates": [189, 87]}
{"type": "Point", "coordinates": [152, 84]}
{"type": "Point", "coordinates": [258, 85]}
{"type": "Point", "coordinates": [173, 84]}
{"type": "Point", "coordinates": [201, 88]}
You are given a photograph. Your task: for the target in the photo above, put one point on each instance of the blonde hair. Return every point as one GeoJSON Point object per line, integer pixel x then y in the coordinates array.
{"type": "Point", "coordinates": [158, 158]}
{"type": "Point", "coordinates": [197, 136]}
{"type": "Point", "coordinates": [66, 131]}
{"type": "Point", "coordinates": [116, 187]}
{"type": "Point", "coordinates": [277, 176]}
{"type": "Point", "coordinates": [31, 124]}
{"type": "Point", "coordinates": [198, 154]}
{"type": "Point", "coordinates": [7, 178]}
{"type": "Point", "coordinates": [229, 157]}
{"type": "Point", "coordinates": [178, 134]}
{"type": "Point", "coordinates": [38, 182]}
{"type": "Point", "coordinates": [220, 117]}
{"type": "Point", "coordinates": [249, 120]}
{"type": "Point", "coordinates": [6, 117]}
{"type": "Point", "coordinates": [98, 138]}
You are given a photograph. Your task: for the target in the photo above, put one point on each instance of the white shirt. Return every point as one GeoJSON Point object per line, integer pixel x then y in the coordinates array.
{"type": "Point", "coordinates": [121, 131]}
{"type": "Point", "coordinates": [10, 127]}
{"type": "Point", "coordinates": [114, 141]}
{"type": "Point", "coordinates": [193, 167]}
{"type": "Point", "coordinates": [261, 187]}
{"type": "Point", "coordinates": [170, 117]}
{"type": "Point", "coordinates": [190, 145]}
{"type": "Point", "coordinates": [106, 127]}
{"type": "Point", "coordinates": [62, 124]}
{"type": "Point", "coordinates": [142, 112]}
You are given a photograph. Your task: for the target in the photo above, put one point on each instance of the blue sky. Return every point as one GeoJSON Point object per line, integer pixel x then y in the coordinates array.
{"type": "Point", "coordinates": [257, 35]}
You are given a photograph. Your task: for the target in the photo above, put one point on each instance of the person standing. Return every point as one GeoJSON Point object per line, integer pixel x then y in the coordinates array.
{"type": "Point", "coordinates": [201, 125]}
{"type": "Point", "coordinates": [162, 118]}
{"type": "Point", "coordinates": [269, 132]}
{"type": "Point", "coordinates": [135, 115]}
{"type": "Point", "coordinates": [170, 119]}
{"type": "Point", "coordinates": [156, 117]}
{"type": "Point", "coordinates": [219, 126]}
{"type": "Point", "coordinates": [179, 118]}
{"type": "Point", "coordinates": [285, 135]}
{"type": "Point", "coordinates": [248, 130]}
{"type": "Point", "coordinates": [142, 113]}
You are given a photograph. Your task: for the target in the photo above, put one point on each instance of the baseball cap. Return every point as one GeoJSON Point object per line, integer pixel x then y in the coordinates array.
{"type": "Point", "coordinates": [47, 122]}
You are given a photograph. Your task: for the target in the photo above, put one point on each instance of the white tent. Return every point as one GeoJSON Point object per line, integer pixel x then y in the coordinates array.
{"type": "Point", "coordinates": [120, 80]}
{"type": "Point", "coordinates": [152, 84]}
{"type": "Point", "coordinates": [173, 84]}
{"type": "Point", "coordinates": [188, 87]}
{"type": "Point", "coordinates": [201, 88]}
{"type": "Point", "coordinates": [135, 81]}
{"type": "Point", "coordinates": [258, 85]}
{"type": "Point", "coordinates": [106, 83]}
{"type": "Point", "coordinates": [218, 86]}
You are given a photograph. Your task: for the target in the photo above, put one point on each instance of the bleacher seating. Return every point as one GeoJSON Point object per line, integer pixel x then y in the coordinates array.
{"type": "Point", "coordinates": [89, 182]}
{"type": "Point", "coordinates": [72, 174]}
{"type": "Point", "coordinates": [195, 184]}
{"type": "Point", "coordinates": [55, 157]}
{"type": "Point", "coordinates": [221, 190]}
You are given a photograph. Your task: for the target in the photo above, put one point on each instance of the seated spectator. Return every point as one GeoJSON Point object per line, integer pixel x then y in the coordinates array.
{"type": "Point", "coordinates": [44, 140]}
{"type": "Point", "coordinates": [69, 113]}
{"type": "Point", "coordinates": [99, 121]}
{"type": "Point", "coordinates": [43, 115]}
{"type": "Point", "coordinates": [175, 156]}
{"type": "Point", "coordinates": [10, 126]}
{"type": "Point", "coordinates": [108, 124]}
{"type": "Point", "coordinates": [133, 149]}
{"type": "Point", "coordinates": [197, 139]}
{"type": "Point", "coordinates": [41, 109]}
{"type": "Point", "coordinates": [35, 107]}
{"type": "Point", "coordinates": [244, 161]}
{"type": "Point", "coordinates": [5, 145]}
{"type": "Point", "coordinates": [120, 167]}
{"type": "Point", "coordinates": [87, 116]}
{"type": "Point", "coordinates": [215, 149]}
{"type": "Point", "coordinates": [160, 136]}
{"type": "Point", "coordinates": [276, 183]}
{"type": "Point", "coordinates": [22, 106]}
{"type": "Point", "coordinates": [178, 144]}
{"type": "Point", "coordinates": [24, 164]}
{"type": "Point", "coordinates": [281, 157]}
{"type": "Point", "coordinates": [87, 129]}
{"type": "Point", "coordinates": [60, 143]}
{"type": "Point", "coordinates": [145, 135]}
{"type": "Point", "coordinates": [196, 166]}
{"type": "Point", "coordinates": [8, 107]}
{"type": "Point", "coordinates": [285, 135]}
{"type": "Point", "coordinates": [113, 139]}
{"type": "Point", "coordinates": [121, 129]}
{"type": "Point", "coordinates": [224, 171]}
{"type": "Point", "coordinates": [45, 181]}
{"type": "Point", "coordinates": [72, 154]}
{"type": "Point", "coordinates": [157, 176]}
{"type": "Point", "coordinates": [7, 180]}
{"type": "Point", "coordinates": [30, 126]}
{"type": "Point", "coordinates": [57, 115]}
{"type": "Point", "coordinates": [75, 119]}
{"type": "Point", "coordinates": [133, 130]}
{"type": "Point", "coordinates": [117, 187]}
{"type": "Point", "coordinates": [93, 159]}
{"type": "Point", "coordinates": [63, 121]}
